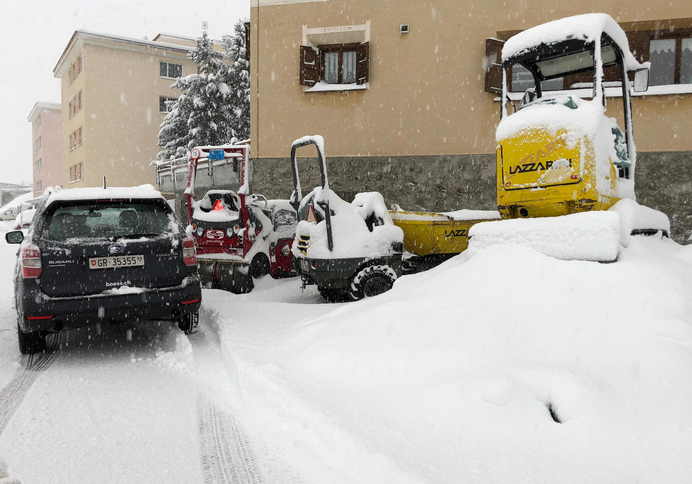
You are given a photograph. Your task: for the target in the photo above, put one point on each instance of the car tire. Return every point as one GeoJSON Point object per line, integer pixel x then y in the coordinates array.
{"type": "Point", "coordinates": [372, 281]}
{"type": "Point", "coordinates": [187, 322]}
{"type": "Point", "coordinates": [32, 342]}
{"type": "Point", "coordinates": [259, 266]}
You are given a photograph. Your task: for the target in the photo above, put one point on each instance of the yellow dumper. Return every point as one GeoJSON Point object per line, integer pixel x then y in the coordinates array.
{"type": "Point", "coordinates": [438, 234]}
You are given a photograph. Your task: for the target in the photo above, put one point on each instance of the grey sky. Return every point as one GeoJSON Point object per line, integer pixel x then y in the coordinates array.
{"type": "Point", "coordinates": [33, 33]}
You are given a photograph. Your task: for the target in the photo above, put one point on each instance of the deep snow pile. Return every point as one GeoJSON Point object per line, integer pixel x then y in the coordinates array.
{"type": "Point", "coordinates": [581, 236]}
{"type": "Point", "coordinates": [510, 366]}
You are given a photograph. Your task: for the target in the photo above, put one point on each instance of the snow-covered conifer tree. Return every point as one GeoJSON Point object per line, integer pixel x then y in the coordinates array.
{"type": "Point", "coordinates": [239, 80]}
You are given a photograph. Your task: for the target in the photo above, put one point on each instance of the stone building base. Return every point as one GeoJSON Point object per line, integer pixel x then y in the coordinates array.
{"type": "Point", "coordinates": [451, 182]}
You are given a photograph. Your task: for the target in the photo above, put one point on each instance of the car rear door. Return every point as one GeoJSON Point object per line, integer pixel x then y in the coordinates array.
{"type": "Point", "coordinates": [87, 265]}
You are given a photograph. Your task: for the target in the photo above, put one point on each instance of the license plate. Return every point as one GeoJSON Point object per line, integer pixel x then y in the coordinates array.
{"type": "Point", "coordinates": [116, 262]}
{"type": "Point", "coordinates": [304, 265]}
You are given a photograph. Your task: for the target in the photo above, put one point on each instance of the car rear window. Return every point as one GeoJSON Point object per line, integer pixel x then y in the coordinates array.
{"type": "Point", "coordinates": [97, 220]}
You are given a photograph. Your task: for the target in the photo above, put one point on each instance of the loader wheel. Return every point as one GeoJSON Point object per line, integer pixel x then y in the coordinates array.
{"type": "Point", "coordinates": [372, 281]}
{"type": "Point", "coordinates": [259, 266]}
{"type": "Point", "coordinates": [30, 343]}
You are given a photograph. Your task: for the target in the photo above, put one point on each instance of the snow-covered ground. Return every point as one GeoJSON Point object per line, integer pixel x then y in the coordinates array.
{"type": "Point", "coordinates": [503, 365]}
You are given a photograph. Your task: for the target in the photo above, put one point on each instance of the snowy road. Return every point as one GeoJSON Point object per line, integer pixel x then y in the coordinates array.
{"type": "Point", "coordinates": [126, 404]}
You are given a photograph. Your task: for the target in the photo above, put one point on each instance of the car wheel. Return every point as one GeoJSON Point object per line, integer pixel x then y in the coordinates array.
{"type": "Point", "coordinates": [371, 281]}
{"type": "Point", "coordinates": [30, 343]}
{"type": "Point", "coordinates": [259, 266]}
{"type": "Point", "coordinates": [188, 321]}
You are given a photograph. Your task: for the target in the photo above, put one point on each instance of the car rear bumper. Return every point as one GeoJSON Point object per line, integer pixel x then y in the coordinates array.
{"type": "Point", "coordinates": [40, 312]}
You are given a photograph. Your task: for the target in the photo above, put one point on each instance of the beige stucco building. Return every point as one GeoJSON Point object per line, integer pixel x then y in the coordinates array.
{"type": "Point", "coordinates": [398, 91]}
{"type": "Point", "coordinates": [114, 92]}
{"type": "Point", "coordinates": [47, 146]}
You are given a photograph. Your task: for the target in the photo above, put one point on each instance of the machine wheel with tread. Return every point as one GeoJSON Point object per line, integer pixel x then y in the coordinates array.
{"type": "Point", "coordinates": [259, 266]}
{"type": "Point", "coordinates": [30, 343]}
{"type": "Point", "coordinates": [371, 281]}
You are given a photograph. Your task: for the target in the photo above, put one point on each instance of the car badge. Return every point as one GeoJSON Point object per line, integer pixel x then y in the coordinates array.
{"type": "Point", "coordinates": [115, 249]}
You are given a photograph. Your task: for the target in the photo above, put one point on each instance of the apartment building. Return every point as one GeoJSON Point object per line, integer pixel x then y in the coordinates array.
{"type": "Point", "coordinates": [403, 94]}
{"type": "Point", "coordinates": [114, 91]}
{"type": "Point", "coordinates": [47, 146]}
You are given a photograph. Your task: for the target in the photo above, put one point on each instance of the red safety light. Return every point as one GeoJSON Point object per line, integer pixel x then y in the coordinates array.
{"type": "Point", "coordinates": [189, 252]}
{"type": "Point", "coordinates": [31, 262]}
{"type": "Point", "coordinates": [33, 318]}
{"type": "Point", "coordinates": [218, 205]}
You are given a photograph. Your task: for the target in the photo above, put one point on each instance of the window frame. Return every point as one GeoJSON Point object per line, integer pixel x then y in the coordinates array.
{"type": "Point", "coordinates": [340, 48]}
{"type": "Point", "coordinates": [164, 100]}
{"type": "Point", "coordinates": [678, 35]}
{"type": "Point", "coordinates": [168, 70]}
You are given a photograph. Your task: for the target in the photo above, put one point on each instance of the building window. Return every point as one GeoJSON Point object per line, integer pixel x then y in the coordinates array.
{"type": "Point", "coordinates": [166, 104]}
{"type": "Point", "coordinates": [37, 144]}
{"type": "Point", "coordinates": [75, 69]}
{"type": "Point", "coordinates": [75, 139]}
{"type": "Point", "coordinates": [173, 71]}
{"type": "Point", "coordinates": [39, 187]}
{"type": "Point", "coordinates": [671, 60]}
{"type": "Point", "coordinates": [39, 164]}
{"type": "Point", "coordinates": [335, 64]}
{"type": "Point", "coordinates": [76, 172]}
{"type": "Point", "coordinates": [75, 105]}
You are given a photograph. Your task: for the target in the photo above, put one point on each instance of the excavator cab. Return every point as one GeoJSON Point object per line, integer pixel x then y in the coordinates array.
{"type": "Point", "coordinates": [559, 152]}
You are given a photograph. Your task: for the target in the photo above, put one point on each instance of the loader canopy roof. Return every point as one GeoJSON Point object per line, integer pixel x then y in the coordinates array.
{"type": "Point", "coordinates": [569, 35]}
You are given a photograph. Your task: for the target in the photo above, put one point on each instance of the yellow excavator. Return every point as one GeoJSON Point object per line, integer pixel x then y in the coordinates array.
{"type": "Point", "coordinates": [558, 153]}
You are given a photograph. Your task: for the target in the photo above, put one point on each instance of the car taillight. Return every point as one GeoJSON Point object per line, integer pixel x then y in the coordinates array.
{"type": "Point", "coordinates": [31, 262]}
{"type": "Point", "coordinates": [189, 252]}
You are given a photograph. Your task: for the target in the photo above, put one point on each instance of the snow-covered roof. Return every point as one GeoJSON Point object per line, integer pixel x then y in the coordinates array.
{"type": "Point", "coordinates": [587, 27]}
{"type": "Point", "coordinates": [141, 192]}
{"type": "Point", "coordinates": [85, 34]}
{"type": "Point", "coordinates": [40, 106]}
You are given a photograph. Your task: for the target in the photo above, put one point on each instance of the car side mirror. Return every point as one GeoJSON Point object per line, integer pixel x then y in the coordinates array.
{"type": "Point", "coordinates": [641, 80]}
{"type": "Point", "coordinates": [14, 237]}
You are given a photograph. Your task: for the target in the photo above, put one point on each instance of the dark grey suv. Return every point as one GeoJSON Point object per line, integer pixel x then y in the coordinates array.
{"type": "Point", "coordinates": [96, 255]}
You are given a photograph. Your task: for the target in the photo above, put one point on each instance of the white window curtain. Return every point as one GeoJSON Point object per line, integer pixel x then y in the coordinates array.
{"type": "Point", "coordinates": [349, 67]}
{"type": "Point", "coordinates": [686, 62]}
{"type": "Point", "coordinates": [331, 67]}
{"type": "Point", "coordinates": [662, 57]}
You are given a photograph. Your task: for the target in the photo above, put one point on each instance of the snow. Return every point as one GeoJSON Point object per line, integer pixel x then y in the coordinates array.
{"type": "Point", "coordinates": [13, 205]}
{"type": "Point", "coordinates": [452, 375]}
{"type": "Point", "coordinates": [322, 86]}
{"type": "Point", "coordinates": [466, 214]}
{"type": "Point", "coordinates": [588, 27]}
{"type": "Point", "coordinates": [634, 216]}
{"type": "Point", "coordinates": [591, 236]}
{"type": "Point", "coordinates": [350, 232]}
{"type": "Point", "coordinates": [111, 193]}
{"type": "Point", "coordinates": [123, 290]}
{"type": "Point", "coordinates": [224, 215]}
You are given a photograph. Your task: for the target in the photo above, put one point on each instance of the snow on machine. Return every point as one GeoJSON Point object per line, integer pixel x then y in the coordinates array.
{"type": "Point", "coordinates": [349, 250]}
{"type": "Point", "coordinates": [239, 235]}
{"type": "Point", "coordinates": [561, 160]}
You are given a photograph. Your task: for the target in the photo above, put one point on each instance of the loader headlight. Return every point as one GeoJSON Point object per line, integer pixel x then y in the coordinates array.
{"type": "Point", "coordinates": [230, 232]}
{"type": "Point", "coordinates": [199, 231]}
{"type": "Point", "coordinates": [285, 250]}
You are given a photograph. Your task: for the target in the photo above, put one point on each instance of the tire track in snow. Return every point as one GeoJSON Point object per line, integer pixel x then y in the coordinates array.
{"type": "Point", "coordinates": [225, 451]}
{"type": "Point", "coordinates": [12, 395]}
